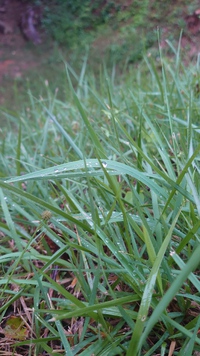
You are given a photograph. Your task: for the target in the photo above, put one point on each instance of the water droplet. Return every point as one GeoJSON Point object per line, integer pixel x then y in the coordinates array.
{"type": "Point", "coordinates": [89, 164]}
{"type": "Point", "coordinates": [104, 164]}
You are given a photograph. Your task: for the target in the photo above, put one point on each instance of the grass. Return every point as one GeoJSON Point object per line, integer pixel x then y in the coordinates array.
{"type": "Point", "coordinates": [100, 224]}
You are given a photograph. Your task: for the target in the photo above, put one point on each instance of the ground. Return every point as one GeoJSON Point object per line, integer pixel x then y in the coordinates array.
{"type": "Point", "coordinates": [13, 62]}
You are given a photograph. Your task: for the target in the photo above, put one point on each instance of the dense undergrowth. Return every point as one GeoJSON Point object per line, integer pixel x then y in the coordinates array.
{"type": "Point", "coordinates": [74, 23]}
{"type": "Point", "coordinates": [100, 224]}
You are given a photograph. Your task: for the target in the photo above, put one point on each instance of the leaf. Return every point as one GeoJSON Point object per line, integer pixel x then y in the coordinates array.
{"type": "Point", "coordinates": [15, 329]}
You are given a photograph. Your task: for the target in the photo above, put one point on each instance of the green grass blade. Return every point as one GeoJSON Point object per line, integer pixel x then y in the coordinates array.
{"type": "Point", "coordinates": [192, 263]}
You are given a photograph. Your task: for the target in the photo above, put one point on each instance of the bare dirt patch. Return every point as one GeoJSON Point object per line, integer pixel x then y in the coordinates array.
{"type": "Point", "coordinates": [15, 56]}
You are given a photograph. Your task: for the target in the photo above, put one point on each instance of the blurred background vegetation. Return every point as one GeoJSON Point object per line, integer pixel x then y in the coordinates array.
{"type": "Point", "coordinates": [113, 34]}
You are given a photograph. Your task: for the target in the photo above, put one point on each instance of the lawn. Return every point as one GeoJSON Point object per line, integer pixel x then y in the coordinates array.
{"type": "Point", "coordinates": [99, 219]}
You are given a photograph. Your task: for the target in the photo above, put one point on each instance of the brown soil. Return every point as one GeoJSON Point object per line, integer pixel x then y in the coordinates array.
{"type": "Point", "coordinates": [15, 56]}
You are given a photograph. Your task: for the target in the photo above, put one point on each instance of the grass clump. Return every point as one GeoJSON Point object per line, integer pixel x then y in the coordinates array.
{"type": "Point", "coordinates": [100, 217]}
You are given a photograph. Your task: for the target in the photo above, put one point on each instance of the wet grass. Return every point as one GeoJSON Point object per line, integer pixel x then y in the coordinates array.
{"type": "Point", "coordinates": [100, 216]}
